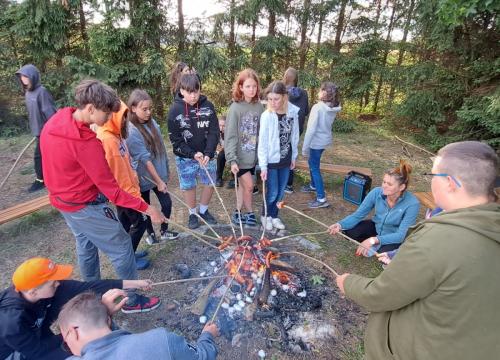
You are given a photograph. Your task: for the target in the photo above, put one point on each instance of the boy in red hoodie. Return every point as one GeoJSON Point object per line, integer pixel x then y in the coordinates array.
{"type": "Point", "coordinates": [79, 180]}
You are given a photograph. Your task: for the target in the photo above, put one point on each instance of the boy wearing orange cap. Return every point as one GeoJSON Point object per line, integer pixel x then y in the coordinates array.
{"type": "Point", "coordinates": [28, 307]}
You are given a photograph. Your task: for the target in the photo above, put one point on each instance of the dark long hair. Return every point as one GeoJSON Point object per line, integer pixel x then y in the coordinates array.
{"type": "Point", "coordinates": [152, 137]}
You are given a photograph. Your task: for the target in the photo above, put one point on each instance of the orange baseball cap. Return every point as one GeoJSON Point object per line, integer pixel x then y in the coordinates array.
{"type": "Point", "coordinates": [36, 271]}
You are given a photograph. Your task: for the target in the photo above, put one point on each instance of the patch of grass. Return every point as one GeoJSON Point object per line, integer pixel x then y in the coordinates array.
{"type": "Point", "coordinates": [356, 352]}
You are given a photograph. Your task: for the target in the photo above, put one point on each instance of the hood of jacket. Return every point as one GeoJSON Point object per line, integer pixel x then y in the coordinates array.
{"type": "Point", "coordinates": [325, 107]}
{"type": "Point", "coordinates": [76, 130]}
{"type": "Point", "coordinates": [114, 124]}
{"type": "Point", "coordinates": [482, 219]}
{"type": "Point", "coordinates": [10, 298]}
{"type": "Point", "coordinates": [294, 93]}
{"type": "Point", "coordinates": [32, 73]}
{"type": "Point", "coordinates": [179, 101]}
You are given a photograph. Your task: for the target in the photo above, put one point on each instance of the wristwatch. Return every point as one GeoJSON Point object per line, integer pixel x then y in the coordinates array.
{"type": "Point", "coordinates": [372, 241]}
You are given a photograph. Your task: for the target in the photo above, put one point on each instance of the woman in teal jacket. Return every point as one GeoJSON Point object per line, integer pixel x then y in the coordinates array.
{"type": "Point", "coordinates": [396, 209]}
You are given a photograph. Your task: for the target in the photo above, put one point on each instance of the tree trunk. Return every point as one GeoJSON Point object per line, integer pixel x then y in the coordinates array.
{"type": "Point", "coordinates": [402, 46]}
{"type": "Point", "coordinates": [232, 37]}
{"type": "Point", "coordinates": [384, 60]}
{"type": "Point", "coordinates": [378, 3]}
{"type": "Point", "coordinates": [83, 28]}
{"type": "Point", "coordinates": [180, 25]}
{"type": "Point", "coordinates": [271, 31]}
{"type": "Point", "coordinates": [340, 27]}
{"type": "Point", "coordinates": [155, 33]}
{"type": "Point", "coordinates": [318, 45]}
{"type": "Point", "coordinates": [303, 32]}
{"type": "Point", "coordinates": [254, 27]}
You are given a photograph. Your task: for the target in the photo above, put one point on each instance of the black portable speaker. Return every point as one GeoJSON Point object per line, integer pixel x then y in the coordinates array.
{"type": "Point", "coordinates": [356, 186]}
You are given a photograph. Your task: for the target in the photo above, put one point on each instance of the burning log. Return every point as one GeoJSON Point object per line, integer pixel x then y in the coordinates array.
{"type": "Point", "coordinates": [199, 307]}
{"type": "Point", "coordinates": [266, 287]}
{"type": "Point", "coordinates": [281, 265]}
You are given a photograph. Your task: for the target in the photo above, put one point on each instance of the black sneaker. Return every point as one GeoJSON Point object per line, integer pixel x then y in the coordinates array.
{"type": "Point", "coordinates": [193, 221]}
{"type": "Point", "coordinates": [219, 183]}
{"type": "Point", "coordinates": [230, 184]}
{"type": "Point", "coordinates": [235, 218]}
{"type": "Point", "coordinates": [151, 239]}
{"type": "Point", "coordinates": [209, 218]}
{"type": "Point", "coordinates": [255, 190]}
{"type": "Point", "coordinates": [250, 219]}
{"type": "Point", "coordinates": [36, 186]}
{"type": "Point", "coordinates": [288, 189]}
{"type": "Point", "coordinates": [169, 235]}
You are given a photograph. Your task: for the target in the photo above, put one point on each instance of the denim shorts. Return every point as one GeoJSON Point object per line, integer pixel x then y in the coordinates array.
{"type": "Point", "coordinates": [189, 170]}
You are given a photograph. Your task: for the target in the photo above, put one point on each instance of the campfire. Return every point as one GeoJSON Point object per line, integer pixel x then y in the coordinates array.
{"type": "Point", "coordinates": [254, 275]}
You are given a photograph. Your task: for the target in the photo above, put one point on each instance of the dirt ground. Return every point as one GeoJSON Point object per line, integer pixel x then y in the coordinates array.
{"type": "Point", "coordinates": [45, 234]}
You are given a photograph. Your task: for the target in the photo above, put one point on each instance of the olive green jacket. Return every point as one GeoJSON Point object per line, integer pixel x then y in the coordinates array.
{"type": "Point", "coordinates": [440, 296]}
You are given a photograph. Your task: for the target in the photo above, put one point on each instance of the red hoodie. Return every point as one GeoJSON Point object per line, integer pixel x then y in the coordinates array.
{"type": "Point", "coordinates": [75, 169]}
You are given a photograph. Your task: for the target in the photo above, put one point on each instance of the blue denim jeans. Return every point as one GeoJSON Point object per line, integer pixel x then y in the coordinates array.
{"type": "Point", "coordinates": [96, 227]}
{"type": "Point", "coordinates": [275, 189]}
{"type": "Point", "coordinates": [316, 179]}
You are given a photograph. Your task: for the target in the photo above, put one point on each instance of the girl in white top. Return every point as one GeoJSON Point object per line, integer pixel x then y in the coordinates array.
{"type": "Point", "coordinates": [277, 149]}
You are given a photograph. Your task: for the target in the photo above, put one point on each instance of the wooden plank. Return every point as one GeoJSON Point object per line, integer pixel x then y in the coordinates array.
{"type": "Point", "coordinates": [25, 208]}
{"type": "Point", "coordinates": [426, 199]}
{"type": "Point", "coordinates": [334, 169]}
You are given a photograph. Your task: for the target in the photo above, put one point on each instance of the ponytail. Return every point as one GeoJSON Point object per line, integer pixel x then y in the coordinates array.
{"type": "Point", "coordinates": [401, 173]}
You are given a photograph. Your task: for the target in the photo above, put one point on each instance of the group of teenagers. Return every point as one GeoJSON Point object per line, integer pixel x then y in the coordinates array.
{"type": "Point", "coordinates": [435, 299]}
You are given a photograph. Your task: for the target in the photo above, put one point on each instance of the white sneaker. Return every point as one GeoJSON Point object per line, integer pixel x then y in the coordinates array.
{"type": "Point", "coordinates": [267, 223]}
{"type": "Point", "coordinates": [278, 224]}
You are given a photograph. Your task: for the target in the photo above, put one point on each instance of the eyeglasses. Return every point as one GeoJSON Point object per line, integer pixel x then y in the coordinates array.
{"type": "Point", "coordinates": [64, 344]}
{"type": "Point", "coordinates": [445, 175]}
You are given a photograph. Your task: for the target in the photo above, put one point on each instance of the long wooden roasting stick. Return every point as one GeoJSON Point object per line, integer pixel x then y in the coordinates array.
{"type": "Point", "coordinates": [300, 234]}
{"type": "Point", "coordinates": [265, 209]}
{"type": "Point", "coordinates": [196, 235]}
{"type": "Point", "coordinates": [220, 199]}
{"type": "Point", "coordinates": [187, 280]}
{"type": "Point", "coordinates": [283, 205]}
{"type": "Point", "coordinates": [311, 258]}
{"type": "Point", "coordinates": [218, 238]}
{"type": "Point", "coordinates": [229, 285]}
{"type": "Point", "coordinates": [15, 162]}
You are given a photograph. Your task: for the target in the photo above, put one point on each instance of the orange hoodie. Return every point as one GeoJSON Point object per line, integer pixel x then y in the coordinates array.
{"type": "Point", "coordinates": [117, 153]}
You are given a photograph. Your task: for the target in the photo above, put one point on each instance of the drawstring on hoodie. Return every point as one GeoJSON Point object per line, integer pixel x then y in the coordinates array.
{"type": "Point", "coordinates": [197, 110]}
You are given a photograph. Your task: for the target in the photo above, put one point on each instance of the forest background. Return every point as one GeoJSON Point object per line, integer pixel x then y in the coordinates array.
{"type": "Point", "coordinates": [429, 68]}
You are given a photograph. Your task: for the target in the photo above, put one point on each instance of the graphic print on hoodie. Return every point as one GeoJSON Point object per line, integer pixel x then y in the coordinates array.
{"type": "Point", "coordinates": [194, 128]}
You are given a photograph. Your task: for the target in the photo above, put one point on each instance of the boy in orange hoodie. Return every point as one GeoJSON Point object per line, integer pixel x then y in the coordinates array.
{"type": "Point", "coordinates": [112, 135]}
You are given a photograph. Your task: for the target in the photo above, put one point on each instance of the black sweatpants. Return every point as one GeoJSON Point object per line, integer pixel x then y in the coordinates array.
{"type": "Point", "coordinates": [37, 158]}
{"type": "Point", "coordinates": [221, 163]}
{"type": "Point", "coordinates": [134, 223]}
{"type": "Point", "coordinates": [166, 208]}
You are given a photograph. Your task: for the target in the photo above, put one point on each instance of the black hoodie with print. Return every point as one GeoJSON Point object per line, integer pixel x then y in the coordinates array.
{"type": "Point", "coordinates": [193, 129]}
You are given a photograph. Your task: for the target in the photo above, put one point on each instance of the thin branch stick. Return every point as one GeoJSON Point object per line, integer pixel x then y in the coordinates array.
{"type": "Point", "coordinates": [415, 146]}
{"type": "Point", "coordinates": [229, 285]}
{"type": "Point", "coordinates": [17, 160]}
{"type": "Point", "coordinates": [196, 235]}
{"type": "Point", "coordinates": [300, 234]}
{"type": "Point", "coordinates": [239, 210]}
{"type": "Point", "coordinates": [326, 226]}
{"type": "Point", "coordinates": [311, 258]}
{"type": "Point", "coordinates": [190, 279]}
{"type": "Point", "coordinates": [265, 209]}
{"type": "Point", "coordinates": [186, 205]}
{"type": "Point", "coordinates": [220, 199]}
